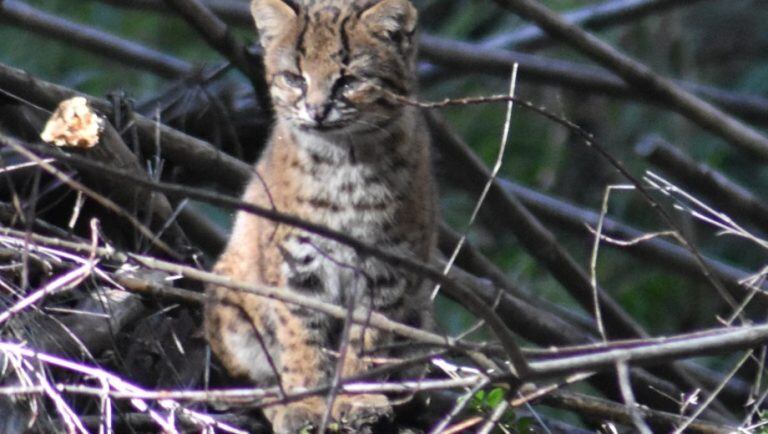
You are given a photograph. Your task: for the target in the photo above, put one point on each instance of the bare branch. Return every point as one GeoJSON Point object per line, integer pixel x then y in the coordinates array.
{"type": "Point", "coordinates": [552, 328]}
{"type": "Point", "coordinates": [601, 409]}
{"type": "Point", "coordinates": [98, 198]}
{"type": "Point", "coordinates": [192, 153]}
{"type": "Point", "coordinates": [375, 319]}
{"type": "Point", "coordinates": [539, 241]}
{"type": "Point", "coordinates": [680, 429]}
{"type": "Point", "coordinates": [629, 398]}
{"type": "Point", "coordinates": [573, 218]}
{"type": "Point", "coordinates": [641, 77]}
{"type": "Point", "coordinates": [202, 232]}
{"type": "Point", "coordinates": [455, 289]}
{"type": "Point", "coordinates": [463, 153]}
{"type": "Point", "coordinates": [217, 34]}
{"type": "Point", "coordinates": [714, 186]}
{"type": "Point", "coordinates": [473, 58]}
{"type": "Point", "coordinates": [593, 17]}
{"type": "Point", "coordinates": [102, 43]}
{"type": "Point", "coordinates": [646, 351]}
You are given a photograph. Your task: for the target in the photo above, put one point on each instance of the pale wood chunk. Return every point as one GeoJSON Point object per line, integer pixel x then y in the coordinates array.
{"type": "Point", "coordinates": [73, 123]}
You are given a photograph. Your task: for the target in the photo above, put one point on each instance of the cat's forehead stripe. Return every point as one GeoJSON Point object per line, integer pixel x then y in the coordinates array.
{"type": "Point", "coordinates": [344, 37]}
{"type": "Point", "coordinates": [323, 36]}
{"type": "Point", "coordinates": [327, 11]}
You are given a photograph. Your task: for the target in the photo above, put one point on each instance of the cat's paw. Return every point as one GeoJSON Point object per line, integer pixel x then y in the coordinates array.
{"type": "Point", "coordinates": [299, 417]}
{"type": "Point", "coordinates": [360, 411]}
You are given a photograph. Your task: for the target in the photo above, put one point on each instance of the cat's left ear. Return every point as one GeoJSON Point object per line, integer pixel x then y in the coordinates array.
{"type": "Point", "coordinates": [391, 17]}
{"type": "Point", "coordinates": [273, 17]}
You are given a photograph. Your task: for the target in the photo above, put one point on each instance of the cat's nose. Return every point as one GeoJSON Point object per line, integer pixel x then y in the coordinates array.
{"type": "Point", "coordinates": [318, 112]}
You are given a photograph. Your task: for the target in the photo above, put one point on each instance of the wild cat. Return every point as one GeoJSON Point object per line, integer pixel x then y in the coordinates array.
{"type": "Point", "coordinates": [346, 155]}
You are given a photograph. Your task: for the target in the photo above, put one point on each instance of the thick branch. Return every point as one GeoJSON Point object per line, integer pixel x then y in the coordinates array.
{"type": "Point", "coordinates": [655, 351]}
{"type": "Point", "coordinates": [202, 232]}
{"type": "Point", "coordinates": [457, 289]}
{"type": "Point", "coordinates": [574, 219]}
{"type": "Point", "coordinates": [597, 357]}
{"type": "Point", "coordinates": [643, 78]}
{"type": "Point", "coordinates": [102, 43]}
{"type": "Point", "coordinates": [467, 57]}
{"type": "Point", "coordinates": [194, 154]}
{"type": "Point", "coordinates": [593, 17]}
{"type": "Point", "coordinates": [537, 240]}
{"type": "Point", "coordinates": [473, 58]}
{"type": "Point", "coordinates": [217, 34]}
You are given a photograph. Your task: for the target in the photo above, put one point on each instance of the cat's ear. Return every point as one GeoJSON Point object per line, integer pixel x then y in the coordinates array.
{"type": "Point", "coordinates": [391, 17]}
{"type": "Point", "coordinates": [273, 17]}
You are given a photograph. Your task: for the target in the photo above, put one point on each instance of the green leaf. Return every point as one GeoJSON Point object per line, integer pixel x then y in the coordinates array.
{"type": "Point", "coordinates": [477, 401]}
{"type": "Point", "coordinates": [495, 397]}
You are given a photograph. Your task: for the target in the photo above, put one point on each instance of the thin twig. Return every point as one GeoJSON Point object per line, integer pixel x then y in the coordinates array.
{"type": "Point", "coordinates": [705, 180]}
{"type": "Point", "coordinates": [100, 199]}
{"type": "Point", "coordinates": [680, 429]}
{"type": "Point", "coordinates": [640, 76]}
{"type": "Point", "coordinates": [665, 254]}
{"type": "Point", "coordinates": [629, 398]}
{"type": "Point", "coordinates": [456, 289]}
{"type": "Point", "coordinates": [593, 259]}
{"type": "Point", "coordinates": [489, 183]}
{"type": "Point", "coordinates": [590, 141]}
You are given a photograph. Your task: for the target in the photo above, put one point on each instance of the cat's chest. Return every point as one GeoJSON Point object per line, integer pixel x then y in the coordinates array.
{"type": "Point", "coordinates": [359, 199]}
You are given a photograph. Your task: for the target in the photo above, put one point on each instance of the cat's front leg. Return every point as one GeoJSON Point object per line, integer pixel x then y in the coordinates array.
{"type": "Point", "coordinates": [302, 364]}
{"type": "Point", "coordinates": [357, 411]}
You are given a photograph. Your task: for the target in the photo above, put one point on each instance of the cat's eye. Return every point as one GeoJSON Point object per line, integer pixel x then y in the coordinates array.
{"type": "Point", "coordinates": [395, 36]}
{"type": "Point", "coordinates": [346, 84]}
{"type": "Point", "coordinates": [293, 80]}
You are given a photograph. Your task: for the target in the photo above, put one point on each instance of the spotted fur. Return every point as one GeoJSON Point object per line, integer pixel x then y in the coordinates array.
{"type": "Point", "coordinates": [342, 154]}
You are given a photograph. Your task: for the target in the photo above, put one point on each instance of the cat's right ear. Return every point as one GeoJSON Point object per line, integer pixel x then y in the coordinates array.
{"type": "Point", "coordinates": [273, 17]}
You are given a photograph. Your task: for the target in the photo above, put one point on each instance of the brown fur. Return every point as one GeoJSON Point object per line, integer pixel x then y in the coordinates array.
{"type": "Point", "coordinates": [345, 156]}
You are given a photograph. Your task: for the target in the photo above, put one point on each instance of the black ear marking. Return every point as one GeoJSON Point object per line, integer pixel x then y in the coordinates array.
{"type": "Point", "coordinates": [293, 5]}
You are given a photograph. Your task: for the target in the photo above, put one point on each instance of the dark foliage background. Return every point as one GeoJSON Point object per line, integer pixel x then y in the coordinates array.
{"type": "Point", "coordinates": [715, 43]}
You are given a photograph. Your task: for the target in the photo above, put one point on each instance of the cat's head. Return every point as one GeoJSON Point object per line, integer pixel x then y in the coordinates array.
{"type": "Point", "coordinates": [332, 65]}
